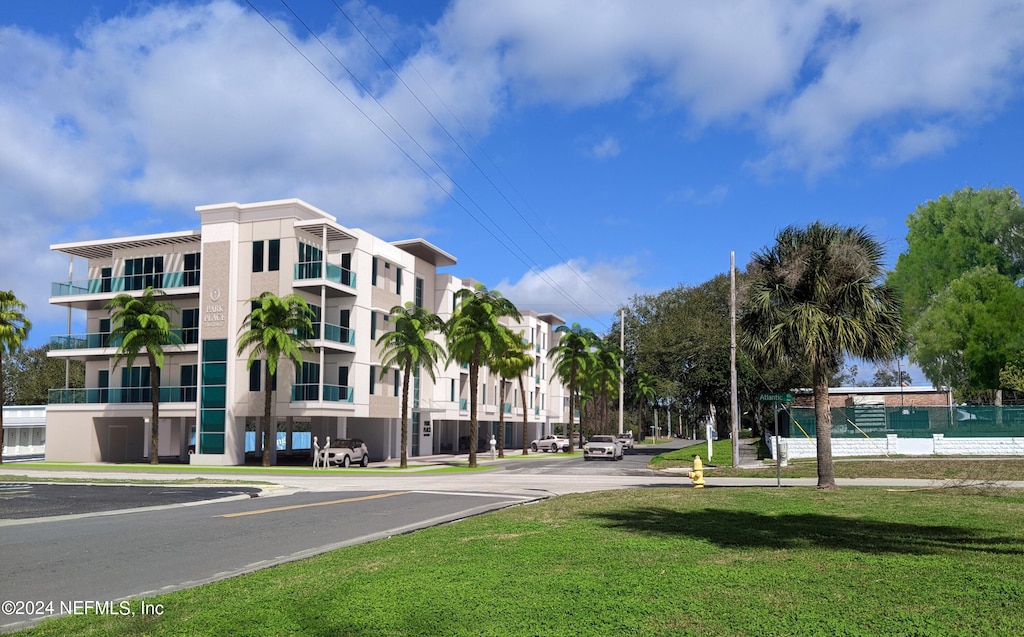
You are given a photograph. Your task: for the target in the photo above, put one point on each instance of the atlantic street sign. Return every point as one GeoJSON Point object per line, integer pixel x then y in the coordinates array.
{"type": "Point", "coordinates": [775, 397]}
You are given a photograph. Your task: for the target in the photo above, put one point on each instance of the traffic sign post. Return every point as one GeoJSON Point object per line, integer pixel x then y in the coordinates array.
{"type": "Point", "coordinates": [775, 398]}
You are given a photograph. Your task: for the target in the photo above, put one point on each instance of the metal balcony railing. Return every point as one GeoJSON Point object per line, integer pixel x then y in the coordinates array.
{"type": "Point", "coordinates": [315, 270]}
{"type": "Point", "coordinates": [332, 393]}
{"type": "Point", "coordinates": [120, 395]}
{"type": "Point", "coordinates": [103, 339]}
{"type": "Point", "coordinates": [117, 284]}
{"type": "Point", "coordinates": [339, 334]}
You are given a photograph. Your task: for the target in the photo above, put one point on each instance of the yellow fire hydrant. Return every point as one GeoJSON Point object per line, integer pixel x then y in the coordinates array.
{"type": "Point", "coordinates": [697, 475]}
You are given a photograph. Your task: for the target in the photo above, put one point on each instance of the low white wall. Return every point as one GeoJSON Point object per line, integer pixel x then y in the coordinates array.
{"type": "Point", "coordinates": [893, 445]}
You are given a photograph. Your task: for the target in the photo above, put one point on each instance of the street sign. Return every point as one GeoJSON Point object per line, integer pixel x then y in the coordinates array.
{"type": "Point", "coordinates": [775, 397]}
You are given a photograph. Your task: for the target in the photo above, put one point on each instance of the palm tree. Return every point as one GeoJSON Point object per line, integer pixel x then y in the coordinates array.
{"type": "Point", "coordinates": [144, 323]}
{"type": "Point", "coordinates": [409, 345]}
{"type": "Point", "coordinates": [645, 393]}
{"type": "Point", "coordinates": [14, 328]}
{"type": "Point", "coordinates": [275, 327]}
{"type": "Point", "coordinates": [815, 296]}
{"type": "Point", "coordinates": [573, 355]}
{"type": "Point", "coordinates": [472, 332]}
{"type": "Point", "coordinates": [512, 360]}
{"type": "Point", "coordinates": [602, 378]}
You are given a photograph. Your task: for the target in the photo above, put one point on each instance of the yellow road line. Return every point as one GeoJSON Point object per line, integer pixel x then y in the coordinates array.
{"type": "Point", "coordinates": [314, 504]}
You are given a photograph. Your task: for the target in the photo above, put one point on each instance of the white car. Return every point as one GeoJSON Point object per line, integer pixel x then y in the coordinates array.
{"type": "Point", "coordinates": [602, 447]}
{"type": "Point", "coordinates": [626, 440]}
{"type": "Point", "coordinates": [348, 452]}
{"type": "Point", "coordinates": [550, 443]}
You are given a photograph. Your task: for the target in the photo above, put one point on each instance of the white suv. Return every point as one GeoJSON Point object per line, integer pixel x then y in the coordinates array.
{"type": "Point", "coordinates": [348, 452]}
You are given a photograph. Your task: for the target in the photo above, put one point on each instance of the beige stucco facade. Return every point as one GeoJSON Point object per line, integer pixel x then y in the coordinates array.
{"type": "Point", "coordinates": [209, 396]}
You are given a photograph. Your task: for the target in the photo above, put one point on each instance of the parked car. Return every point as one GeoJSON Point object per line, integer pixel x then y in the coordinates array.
{"type": "Point", "coordinates": [348, 452]}
{"type": "Point", "coordinates": [576, 440]}
{"type": "Point", "coordinates": [625, 439]}
{"type": "Point", "coordinates": [550, 443]}
{"type": "Point", "coordinates": [602, 447]}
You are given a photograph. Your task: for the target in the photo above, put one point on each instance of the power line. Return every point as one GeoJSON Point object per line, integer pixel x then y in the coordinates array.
{"type": "Point", "coordinates": [522, 256]}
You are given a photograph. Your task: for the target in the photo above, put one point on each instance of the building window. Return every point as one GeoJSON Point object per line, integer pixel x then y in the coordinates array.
{"type": "Point", "coordinates": [373, 274]}
{"type": "Point", "coordinates": [453, 391]}
{"type": "Point", "coordinates": [398, 280]}
{"type": "Point", "coordinates": [191, 269]}
{"type": "Point", "coordinates": [373, 380]}
{"type": "Point", "coordinates": [143, 272]}
{"type": "Point", "coordinates": [189, 380]}
{"type": "Point", "coordinates": [254, 376]}
{"type": "Point", "coordinates": [373, 326]}
{"type": "Point", "coordinates": [274, 258]}
{"type": "Point", "coordinates": [397, 377]}
{"type": "Point", "coordinates": [419, 292]}
{"type": "Point", "coordinates": [257, 256]}
{"type": "Point", "coordinates": [106, 274]}
{"type": "Point", "coordinates": [190, 326]}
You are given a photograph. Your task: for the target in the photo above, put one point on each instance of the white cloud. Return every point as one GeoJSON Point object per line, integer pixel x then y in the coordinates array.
{"type": "Point", "coordinates": [576, 290]}
{"type": "Point", "coordinates": [811, 77]}
{"type": "Point", "coordinates": [930, 140]}
{"type": "Point", "coordinates": [606, 148]}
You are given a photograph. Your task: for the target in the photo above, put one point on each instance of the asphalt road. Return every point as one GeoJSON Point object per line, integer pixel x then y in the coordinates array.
{"type": "Point", "coordinates": [24, 500]}
{"type": "Point", "coordinates": [51, 564]}
{"type": "Point", "coordinates": [66, 543]}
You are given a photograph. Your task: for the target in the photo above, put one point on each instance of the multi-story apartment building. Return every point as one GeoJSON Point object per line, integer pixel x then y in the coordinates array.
{"type": "Point", "coordinates": [209, 399]}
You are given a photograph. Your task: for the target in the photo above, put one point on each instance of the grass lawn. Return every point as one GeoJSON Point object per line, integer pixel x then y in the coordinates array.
{"type": "Point", "coordinates": [718, 561]}
{"type": "Point", "coordinates": [945, 468]}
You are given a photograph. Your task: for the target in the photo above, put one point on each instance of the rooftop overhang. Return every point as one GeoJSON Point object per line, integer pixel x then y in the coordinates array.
{"type": "Point", "coordinates": [426, 251]}
{"type": "Point", "coordinates": [104, 248]}
{"type": "Point", "coordinates": [319, 229]}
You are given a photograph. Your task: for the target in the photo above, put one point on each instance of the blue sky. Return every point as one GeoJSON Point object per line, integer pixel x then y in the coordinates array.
{"type": "Point", "coordinates": [569, 153]}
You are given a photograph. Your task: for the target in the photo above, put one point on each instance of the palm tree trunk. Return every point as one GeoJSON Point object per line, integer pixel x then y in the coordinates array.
{"type": "Point", "coordinates": [823, 427]}
{"type": "Point", "coordinates": [154, 423]}
{"type": "Point", "coordinates": [474, 376]}
{"type": "Point", "coordinates": [572, 397]}
{"type": "Point", "coordinates": [501, 418]}
{"type": "Point", "coordinates": [405, 414]}
{"type": "Point", "coordinates": [265, 425]}
{"type": "Point", "coordinates": [522, 390]}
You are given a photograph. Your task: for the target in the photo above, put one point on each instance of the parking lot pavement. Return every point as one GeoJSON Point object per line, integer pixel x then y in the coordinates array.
{"type": "Point", "coordinates": [23, 500]}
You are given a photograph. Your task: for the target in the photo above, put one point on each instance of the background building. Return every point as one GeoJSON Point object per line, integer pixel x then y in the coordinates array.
{"type": "Point", "coordinates": [209, 400]}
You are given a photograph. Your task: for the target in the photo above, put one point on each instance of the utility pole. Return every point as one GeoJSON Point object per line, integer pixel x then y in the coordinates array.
{"type": "Point", "coordinates": [732, 362]}
{"type": "Point", "coordinates": [622, 370]}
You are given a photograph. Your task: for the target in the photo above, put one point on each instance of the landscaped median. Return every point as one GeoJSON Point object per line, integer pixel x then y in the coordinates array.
{"type": "Point", "coordinates": [736, 561]}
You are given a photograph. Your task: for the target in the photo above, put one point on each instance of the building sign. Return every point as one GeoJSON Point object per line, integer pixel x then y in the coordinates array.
{"type": "Point", "coordinates": [213, 312]}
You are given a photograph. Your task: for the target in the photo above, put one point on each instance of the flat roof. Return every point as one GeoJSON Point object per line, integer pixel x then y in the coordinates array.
{"type": "Point", "coordinates": [104, 248]}
{"type": "Point", "coordinates": [427, 251]}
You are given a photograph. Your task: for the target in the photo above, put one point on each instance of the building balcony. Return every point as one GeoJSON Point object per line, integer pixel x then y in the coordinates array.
{"type": "Point", "coordinates": [339, 334]}
{"type": "Point", "coordinates": [507, 408]}
{"type": "Point", "coordinates": [116, 284]}
{"type": "Point", "coordinates": [101, 340]}
{"type": "Point", "coordinates": [333, 276]}
{"type": "Point", "coordinates": [120, 395]}
{"type": "Point", "coordinates": [463, 404]}
{"type": "Point", "coordinates": [332, 393]}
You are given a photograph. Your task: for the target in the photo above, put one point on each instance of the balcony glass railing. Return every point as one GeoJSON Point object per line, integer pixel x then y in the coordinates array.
{"type": "Point", "coordinates": [103, 339]}
{"type": "Point", "coordinates": [507, 407]}
{"type": "Point", "coordinates": [120, 395]}
{"type": "Point", "coordinates": [118, 284]}
{"type": "Point", "coordinates": [332, 393]}
{"type": "Point", "coordinates": [315, 270]}
{"type": "Point", "coordinates": [462, 404]}
{"type": "Point", "coordinates": [339, 334]}
{"type": "Point", "coordinates": [536, 411]}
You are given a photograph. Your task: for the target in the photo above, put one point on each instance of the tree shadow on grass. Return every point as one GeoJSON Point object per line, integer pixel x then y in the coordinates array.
{"type": "Point", "coordinates": [744, 529]}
